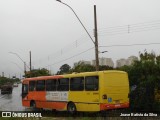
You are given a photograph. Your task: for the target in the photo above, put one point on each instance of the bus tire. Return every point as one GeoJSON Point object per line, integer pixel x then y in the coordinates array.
{"type": "Point", "coordinates": [71, 108]}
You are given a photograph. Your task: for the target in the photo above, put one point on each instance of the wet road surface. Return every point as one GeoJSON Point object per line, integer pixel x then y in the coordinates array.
{"type": "Point", "coordinates": [12, 102]}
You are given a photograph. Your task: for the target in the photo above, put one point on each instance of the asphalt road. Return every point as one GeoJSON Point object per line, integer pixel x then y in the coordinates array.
{"type": "Point", "coordinates": [12, 102]}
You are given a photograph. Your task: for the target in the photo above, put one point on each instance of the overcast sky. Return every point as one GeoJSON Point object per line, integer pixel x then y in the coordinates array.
{"type": "Point", "coordinates": [53, 34]}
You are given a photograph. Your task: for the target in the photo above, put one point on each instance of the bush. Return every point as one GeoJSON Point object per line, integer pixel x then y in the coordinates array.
{"type": "Point", "coordinates": [144, 74]}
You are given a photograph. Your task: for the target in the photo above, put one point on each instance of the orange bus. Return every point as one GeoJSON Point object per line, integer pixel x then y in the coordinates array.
{"type": "Point", "coordinates": [88, 91]}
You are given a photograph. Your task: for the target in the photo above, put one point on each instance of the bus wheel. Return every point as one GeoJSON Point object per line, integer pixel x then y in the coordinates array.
{"type": "Point", "coordinates": [71, 108]}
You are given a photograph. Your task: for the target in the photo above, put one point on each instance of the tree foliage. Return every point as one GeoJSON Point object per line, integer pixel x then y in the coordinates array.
{"type": "Point", "coordinates": [82, 67]}
{"type": "Point", "coordinates": [4, 80]}
{"type": "Point", "coordinates": [145, 74]}
{"type": "Point", "coordinates": [105, 67]}
{"type": "Point", "coordinates": [37, 72]}
{"type": "Point", "coordinates": [64, 69]}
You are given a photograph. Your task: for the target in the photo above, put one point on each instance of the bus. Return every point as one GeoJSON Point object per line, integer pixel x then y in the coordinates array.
{"type": "Point", "coordinates": [86, 92]}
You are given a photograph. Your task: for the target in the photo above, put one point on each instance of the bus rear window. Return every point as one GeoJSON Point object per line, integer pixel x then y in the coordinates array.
{"type": "Point", "coordinates": [91, 83]}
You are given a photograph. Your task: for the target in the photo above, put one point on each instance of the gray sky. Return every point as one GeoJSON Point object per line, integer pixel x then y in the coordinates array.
{"type": "Point", "coordinates": [54, 35]}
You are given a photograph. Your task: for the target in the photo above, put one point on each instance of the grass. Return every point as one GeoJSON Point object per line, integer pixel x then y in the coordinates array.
{"type": "Point", "coordinates": [84, 118]}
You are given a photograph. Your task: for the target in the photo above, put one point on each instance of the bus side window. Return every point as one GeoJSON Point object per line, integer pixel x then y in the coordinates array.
{"type": "Point", "coordinates": [77, 84]}
{"type": "Point", "coordinates": [51, 85]}
{"type": "Point", "coordinates": [63, 84]}
{"type": "Point", "coordinates": [32, 85]}
{"type": "Point", "coordinates": [40, 85]}
{"type": "Point", "coordinates": [91, 83]}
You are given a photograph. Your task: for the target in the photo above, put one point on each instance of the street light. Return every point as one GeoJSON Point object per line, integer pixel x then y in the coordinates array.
{"type": "Point", "coordinates": [95, 32]}
{"type": "Point", "coordinates": [21, 60]}
{"type": "Point", "coordinates": [17, 56]}
{"type": "Point", "coordinates": [103, 52]}
{"type": "Point", "coordinates": [18, 66]}
{"type": "Point", "coordinates": [77, 18]}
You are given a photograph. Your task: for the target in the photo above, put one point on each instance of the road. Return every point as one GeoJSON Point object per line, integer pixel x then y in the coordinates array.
{"type": "Point", "coordinates": [12, 102]}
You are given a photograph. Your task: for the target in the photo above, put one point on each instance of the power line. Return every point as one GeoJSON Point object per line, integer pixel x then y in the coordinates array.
{"type": "Point", "coordinates": [136, 24]}
{"type": "Point", "coordinates": [138, 27]}
{"type": "Point", "coordinates": [126, 29]}
{"type": "Point", "coordinates": [101, 46]}
{"type": "Point", "coordinates": [130, 45]}
{"type": "Point", "coordinates": [67, 48]}
{"type": "Point", "coordinates": [70, 57]}
{"type": "Point", "coordinates": [129, 28]}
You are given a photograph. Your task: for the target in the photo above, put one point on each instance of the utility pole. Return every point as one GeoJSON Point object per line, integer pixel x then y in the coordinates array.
{"type": "Point", "coordinates": [25, 69]}
{"type": "Point", "coordinates": [96, 40]}
{"type": "Point", "coordinates": [30, 63]}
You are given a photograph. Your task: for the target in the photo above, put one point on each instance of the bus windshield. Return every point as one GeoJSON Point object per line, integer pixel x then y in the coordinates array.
{"type": "Point", "coordinates": [24, 90]}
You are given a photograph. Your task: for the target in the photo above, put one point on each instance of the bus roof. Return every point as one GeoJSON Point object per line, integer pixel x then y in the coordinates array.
{"type": "Point", "coordinates": [43, 77]}
{"type": "Point", "coordinates": [73, 75]}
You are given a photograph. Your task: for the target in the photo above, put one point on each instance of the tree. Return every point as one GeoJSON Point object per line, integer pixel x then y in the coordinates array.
{"type": "Point", "coordinates": [37, 72]}
{"type": "Point", "coordinates": [5, 80]}
{"type": "Point", "coordinates": [64, 69]}
{"type": "Point", "coordinates": [105, 67]}
{"type": "Point", "coordinates": [82, 67]}
{"type": "Point", "coordinates": [144, 74]}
